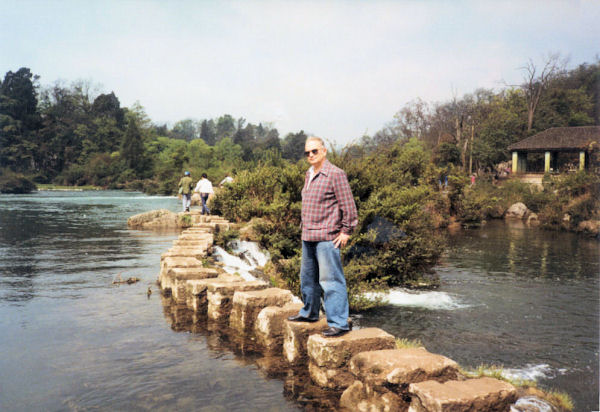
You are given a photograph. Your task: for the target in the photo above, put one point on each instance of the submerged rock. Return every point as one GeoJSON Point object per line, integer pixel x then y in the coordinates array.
{"type": "Point", "coordinates": [516, 211]}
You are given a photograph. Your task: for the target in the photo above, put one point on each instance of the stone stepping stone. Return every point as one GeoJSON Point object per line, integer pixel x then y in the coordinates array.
{"type": "Point", "coordinates": [179, 277]}
{"type": "Point", "coordinates": [402, 366]}
{"type": "Point", "coordinates": [220, 296]}
{"type": "Point", "coordinates": [295, 337]}
{"type": "Point", "coordinates": [169, 263]}
{"type": "Point", "coordinates": [196, 292]}
{"type": "Point", "coordinates": [246, 306]}
{"type": "Point", "coordinates": [482, 394]}
{"type": "Point", "coordinates": [329, 357]}
{"type": "Point", "coordinates": [269, 327]}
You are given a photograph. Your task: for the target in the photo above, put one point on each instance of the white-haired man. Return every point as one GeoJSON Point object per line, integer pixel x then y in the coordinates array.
{"type": "Point", "coordinates": [328, 218]}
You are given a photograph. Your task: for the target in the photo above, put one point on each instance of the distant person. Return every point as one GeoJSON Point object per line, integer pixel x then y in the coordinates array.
{"type": "Point", "coordinates": [185, 189]}
{"type": "Point", "coordinates": [445, 182]}
{"type": "Point", "coordinates": [472, 179]}
{"type": "Point", "coordinates": [228, 179]}
{"type": "Point", "coordinates": [328, 218]}
{"type": "Point", "coordinates": [205, 188]}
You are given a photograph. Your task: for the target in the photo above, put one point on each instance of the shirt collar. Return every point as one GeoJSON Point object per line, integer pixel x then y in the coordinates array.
{"type": "Point", "coordinates": [325, 169]}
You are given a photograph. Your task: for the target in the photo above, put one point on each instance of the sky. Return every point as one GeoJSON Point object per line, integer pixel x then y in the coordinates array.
{"type": "Point", "coordinates": [336, 69]}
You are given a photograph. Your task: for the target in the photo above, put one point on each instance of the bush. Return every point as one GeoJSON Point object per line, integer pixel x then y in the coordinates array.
{"type": "Point", "coordinates": [15, 183]}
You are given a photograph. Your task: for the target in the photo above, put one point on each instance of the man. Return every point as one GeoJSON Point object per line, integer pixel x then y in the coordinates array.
{"type": "Point", "coordinates": [185, 188]}
{"type": "Point", "coordinates": [328, 218]}
{"type": "Point", "coordinates": [204, 187]}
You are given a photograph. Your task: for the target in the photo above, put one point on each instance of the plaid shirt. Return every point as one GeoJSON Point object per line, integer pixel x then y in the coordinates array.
{"type": "Point", "coordinates": [327, 205]}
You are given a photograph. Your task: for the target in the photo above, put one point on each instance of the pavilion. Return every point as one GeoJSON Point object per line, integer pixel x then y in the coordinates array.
{"type": "Point", "coordinates": [559, 146]}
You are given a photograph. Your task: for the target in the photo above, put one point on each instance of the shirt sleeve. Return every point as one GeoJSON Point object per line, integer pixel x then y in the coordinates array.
{"type": "Point", "coordinates": [343, 195]}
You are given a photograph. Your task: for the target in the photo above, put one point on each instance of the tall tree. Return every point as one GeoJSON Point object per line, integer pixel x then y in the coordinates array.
{"type": "Point", "coordinates": [536, 82]}
{"type": "Point", "coordinates": [207, 132]}
{"type": "Point", "coordinates": [132, 148]}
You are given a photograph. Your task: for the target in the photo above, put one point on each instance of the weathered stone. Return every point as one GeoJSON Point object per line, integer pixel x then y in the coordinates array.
{"type": "Point", "coordinates": [220, 295]}
{"type": "Point", "coordinates": [402, 366]}
{"type": "Point", "coordinates": [532, 404]}
{"type": "Point", "coordinates": [169, 263]}
{"type": "Point", "coordinates": [532, 219]}
{"type": "Point", "coordinates": [197, 252]}
{"type": "Point", "coordinates": [516, 211]}
{"type": "Point", "coordinates": [295, 337]}
{"type": "Point", "coordinates": [154, 218]}
{"type": "Point", "coordinates": [591, 227]}
{"type": "Point", "coordinates": [196, 292]}
{"type": "Point", "coordinates": [269, 327]}
{"type": "Point", "coordinates": [328, 357]}
{"type": "Point", "coordinates": [178, 278]}
{"type": "Point", "coordinates": [482, 394]}
{"type": "Point", "coordinates": [247, 304]}
{"type": "Point", "coordinates": [336, 352]}
{"type": "Point", "coordinates": [361, 397]}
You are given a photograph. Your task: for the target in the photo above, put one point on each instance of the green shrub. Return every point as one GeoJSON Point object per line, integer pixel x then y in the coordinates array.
{"type": "Point", "coordinates": [15, 183]}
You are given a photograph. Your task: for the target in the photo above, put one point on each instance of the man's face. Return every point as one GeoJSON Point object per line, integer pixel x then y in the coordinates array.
{"type": "Point", "coordinates": [315, 159]}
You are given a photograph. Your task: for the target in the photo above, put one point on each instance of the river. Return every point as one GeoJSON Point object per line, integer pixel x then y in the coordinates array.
{"type": "Point", "coordinates": [71, 340]}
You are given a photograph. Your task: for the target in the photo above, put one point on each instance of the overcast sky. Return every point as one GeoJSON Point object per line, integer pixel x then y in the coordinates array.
{"type": "Point", "coordinates": [337, 69]}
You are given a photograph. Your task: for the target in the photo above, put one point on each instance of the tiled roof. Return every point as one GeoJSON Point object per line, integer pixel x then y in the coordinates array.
{"type": "Point", "coordinates": [560, 138]}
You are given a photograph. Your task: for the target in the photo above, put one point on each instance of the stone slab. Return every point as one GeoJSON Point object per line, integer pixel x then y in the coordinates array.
{"type": "Point", "coordinates": [246, 306]}
{"type": "Point", "coordinates": [295, 337]}
{"type": "Point", "coordinates": [196, 292]}
{"type": "Point", "coordinates": [361, 397]}
{"type": "Point", "coordinates": [482, 394]}
{"type": "Point", "coordinates": [220, 296]}
{"type": "Point", "coordinates": [175, 262]}
{"type": "Point", "coordinates": [402, 366]}
{"type": "Point", "coordinates": [336, 352]}
{"type": "Point", "coordinates": [269, 327]}
{"type": "Point", "coordinates": [179, 277]}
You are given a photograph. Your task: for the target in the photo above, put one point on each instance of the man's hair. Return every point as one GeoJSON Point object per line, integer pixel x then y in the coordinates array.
{"type": "Point", "coordinates": [317, 139]}
{"type": "Point", "coordinates": [204, 175]}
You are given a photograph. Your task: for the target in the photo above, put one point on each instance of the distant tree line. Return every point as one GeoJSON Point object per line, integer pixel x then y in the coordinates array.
{"type": "Point", "coordinates": [71, 134]}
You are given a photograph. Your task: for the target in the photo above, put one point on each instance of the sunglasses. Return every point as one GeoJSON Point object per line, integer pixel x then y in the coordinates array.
{"type": "Point", "coordinates": [313, 151]}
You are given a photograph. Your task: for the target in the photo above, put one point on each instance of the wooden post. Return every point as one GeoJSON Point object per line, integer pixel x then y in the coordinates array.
{"type": "Point", "coordinates": [581, 160]}
{"type": "Point", "coordinates": [546, 162]}
{"type": "Point", "coordinates": [515, 162]}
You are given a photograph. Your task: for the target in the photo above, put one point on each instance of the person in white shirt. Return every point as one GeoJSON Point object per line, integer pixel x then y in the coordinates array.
{"type": "Point", "coordinates": [228, 179]}
{"type": "Point", "coordinates": [205, 188]}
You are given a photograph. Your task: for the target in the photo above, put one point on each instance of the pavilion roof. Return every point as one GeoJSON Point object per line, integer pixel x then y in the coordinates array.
{"type": "Point", "coordinates": [560, 138]}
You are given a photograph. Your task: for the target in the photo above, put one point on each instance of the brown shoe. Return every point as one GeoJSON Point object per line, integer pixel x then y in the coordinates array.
{"type": "Point", "coordinates": [299, 318]}
{"type": "Point", "coordinates": [333, 331]}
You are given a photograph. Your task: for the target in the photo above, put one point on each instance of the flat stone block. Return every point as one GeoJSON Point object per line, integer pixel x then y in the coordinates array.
{"type": "Point", "coordinates": [247, 304]}
{"type": "Point", "coordinates": [362, 398]}
{"type": "Point", "coordinates": [175, 262]}
{"type": "Point", "coordinates": [196, 292]}
{"type": "Point", "coordinates": [336, 352]}
{"type": "Point", "coordinates": [482, 394]}
{"type": "Point", "coordinates": [179, 277]}
{"type": "Point", "coordinates": [220, 295]}
{"type": "Point", "coordinates": [295, 337]}
{"type": "Point", "coordinates": [199, 236]}
{"type": "Point", "coordinates": [269, 326]}
{"type": "Point", "coordinates": [331, 378]}
{"type": "Point", "coordinates": [402, 366]}
{"type": "Point", "coordinates": [197, 252]}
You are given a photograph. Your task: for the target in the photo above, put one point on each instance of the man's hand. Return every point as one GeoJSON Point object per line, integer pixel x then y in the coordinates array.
{"type": "Point", "coordinates": [341, 240]}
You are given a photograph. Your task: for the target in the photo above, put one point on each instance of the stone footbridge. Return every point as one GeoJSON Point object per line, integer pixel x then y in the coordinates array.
{"type": "Point", "coordinates": [362, 370]}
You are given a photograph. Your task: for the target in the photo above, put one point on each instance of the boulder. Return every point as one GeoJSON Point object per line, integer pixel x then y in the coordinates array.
{"type": "Point", "coordinates": [482, 394]}
{"type": "Point", "coordinates": [516, 211]}
{"type": "Point", "coordinates": [269, 326]}
{"type": "Point", "coordinates": [591, 227]}
{"type": "Point", "coordinates": [246, 306]}
{"type": "Point", "coordinates": [328, 357]}
{"type": "Point", "coordinates": [220, 296]}
{"type": "Point", "coordinates": [402, 366]}
{"type": "Point", "coordinates": [154, 219]}
{"type": "Point", "coordinates": [295, 337]}
{"type": "Point", "coordinates": [532, 219]}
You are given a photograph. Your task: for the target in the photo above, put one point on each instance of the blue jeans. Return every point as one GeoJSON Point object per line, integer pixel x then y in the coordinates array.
{"type": "Point", "coordinates": [321, 271]}
{"type": "Point", "coordinates": [204, 198]}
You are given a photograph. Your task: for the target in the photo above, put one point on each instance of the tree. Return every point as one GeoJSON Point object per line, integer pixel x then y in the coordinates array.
{"type": "Point", "coordinates": [225, 127]}
{"type": "Point", "coordinates": [535, 84]}
{"type": "Point", "coordinates": [292, 147]}
{"type": "Point", "coordinates": [207, 132]}
{"type": "Point", "coordinates": [132, 148]}
{"type": "Point", "coordinates": [185, 130]}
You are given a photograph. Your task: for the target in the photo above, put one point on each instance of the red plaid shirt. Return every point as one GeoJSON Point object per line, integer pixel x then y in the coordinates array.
{"type": "Point", "coordinates": [327, 205]}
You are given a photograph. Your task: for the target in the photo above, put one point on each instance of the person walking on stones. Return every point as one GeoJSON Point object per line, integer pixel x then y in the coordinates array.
{"type": "Point", "coordinates": [185, 189]}
{"type": "Point", "coordinates": [205, 188]}
{"type": "Point", "coordinates": [328, 218]}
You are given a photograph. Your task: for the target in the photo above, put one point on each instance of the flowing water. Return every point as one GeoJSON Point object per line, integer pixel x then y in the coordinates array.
{"type": "Point", "coordinates": [71, 340]}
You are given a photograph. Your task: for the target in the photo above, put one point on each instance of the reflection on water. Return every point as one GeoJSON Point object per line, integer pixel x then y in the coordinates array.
{"type": "Point", "coordinates": [529, 301]}
{"type": "Point", "coordinates": [71, 340]}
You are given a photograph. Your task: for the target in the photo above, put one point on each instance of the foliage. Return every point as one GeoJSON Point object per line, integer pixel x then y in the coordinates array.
{"type": "Point", "coordinates": [11, 182]}
{"type": "Point", "coordinates": [404, 343]}
{"type": "Point", "coordinates": [223, 237]}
